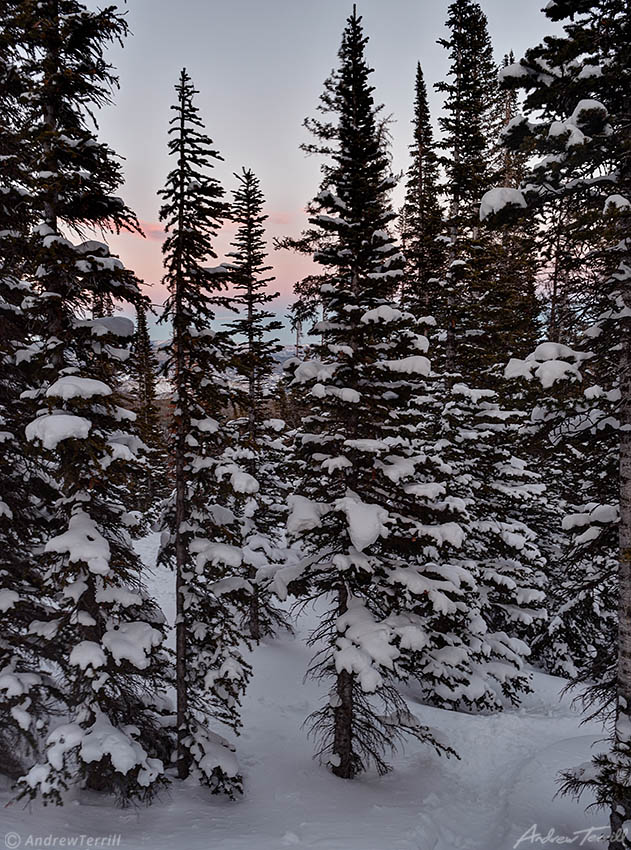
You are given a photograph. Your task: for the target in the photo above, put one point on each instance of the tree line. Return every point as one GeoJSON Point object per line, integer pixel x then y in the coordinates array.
{"type": "Point", "coordinates": [444, 472]}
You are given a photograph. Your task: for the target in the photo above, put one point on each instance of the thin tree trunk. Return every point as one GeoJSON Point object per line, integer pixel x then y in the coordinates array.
{"type": "Point", "coordinates": [454, 213]}
{"type": "Point", "coordinates": [183, 758]}
{"type": "Point", "coordinates": [254, 619]}
{"type": "Point", "coordinates": [343, 712]}
{"type": "Point", "coordinates": [254, 615]}
{"type": "Point", "coordinates": [450, 348]}
{"type": "Point", "coordinates": [56, 323]}
{"type": "Point", "coordinates": [180, 628]}
{"type": "Point", "coordinates": [621, 810]}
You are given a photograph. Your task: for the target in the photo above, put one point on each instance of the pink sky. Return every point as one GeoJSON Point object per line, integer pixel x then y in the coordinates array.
{"type": "Point", "coordinates": [144, 256]}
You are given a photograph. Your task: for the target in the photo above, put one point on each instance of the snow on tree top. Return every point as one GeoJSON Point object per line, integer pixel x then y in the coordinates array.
{"type": "Point", "coordinates": [92, 246]}
{"type": "Point", "coordinates": [52, 428]}
{"type": "Point", "coordinates": [115, 325]}
{"type": "Point", "coordinates": [243, 482]}
{"type": "Point", "coordinates": [346, 394]}
{"type": "Point", "coordinates": [473, 394]}
{"type": "Point", "coordinates": [366, 445]}
{"type": "Point", "coordinates": [132, 642]}
{"type": "Point", "coordinates": [109, 263]}
{"type": "Point", "coordinates": [495, 200]}
{"type": "Point", "coordinates": [588, 105]}
{"type": "Point", "coordinates": [365, 521]}
{"type": "Point", "coordinates": [207, 426]}
{"type": "Point", "coordinates": [598, 513]}
{"type": "Point", "coordinates": [83, 542]}
{"type": "Point", "coordinates": [618, 202]}
{"type": "Point", "coordinates": [71, 386]}
{"type": "Point", "coordinates": [8, 598]}
{"type": "Point", "coordinates": [515, 71]}
{"type": "Point", "coordinates": [86, 654]}
{"type": "Point", "coordinates": [104, 739]}
{"type": "Point", "coordinates": [217, 754]}
{"type": "Point", "coordinates": [560, 128]}
{"type": "Point", "coordinates": [556, 350]}
{"type": "Point", "coordinates": [589, 70]}
{"type": "Point", "coordinates": [366, 645]}
{"type": "Point", "coordinates": [384, 313]}
{"type": "Point", "coordinates": [310, 369]}
{"type": "Point", "coordinates": [413, 365]}
{"type": "Point", "coordinates": [304, 514]}
{"type": "Point", "coordinates": [277, 425]}
{"type": "Point", "coordinates": [216, 553]}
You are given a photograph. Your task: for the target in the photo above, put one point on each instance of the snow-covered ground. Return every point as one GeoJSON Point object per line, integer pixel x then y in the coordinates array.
{"type": "Point", "coordinates": [489, 800]}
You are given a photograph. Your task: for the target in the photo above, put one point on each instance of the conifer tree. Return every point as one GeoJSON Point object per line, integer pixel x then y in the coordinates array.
{"type": "Point", "coordinates": [421, 216]}
{"type": "Point", "coordinates": [365, 539]}
{"type": "Point", "coordinates": [144, 367]}
{"type": "Point", "coordinates": [27, 692]}
{"type": "Point", "coordinates": [485, 296]}
{"type": "Point", "coordinates": [261, 452]}
{"type": "Point", "coordinates": [209, 484]}
{"type": "Point", "coordinates": [577, 95]}
{"type": "Point", "coordinates": [469, 95]}
{"type": "Point", "coordinates": [105, 635]}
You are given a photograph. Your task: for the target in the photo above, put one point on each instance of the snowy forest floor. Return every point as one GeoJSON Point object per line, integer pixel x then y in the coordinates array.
{"type": "Point", "coordinates": [503, 784]}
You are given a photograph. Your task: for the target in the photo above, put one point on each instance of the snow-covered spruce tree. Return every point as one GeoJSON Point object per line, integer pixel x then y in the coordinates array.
{"type": "Point", "coordinates": [323, 130]}
{"type": "Point", "coordinates": [578, 641]}
{"type": "Point", "coordinates": [421, 219]}
{"type": "Point", "coordinates": [469, 97]}
{"type": "Point", "coordinates": [155, 481]}
{"type": "Point", "coordinates": [260, 450]}
{"type": "Point", "coordinates": [477, 314]}
{"type": "Point", "coordinates": [201, 524]}
{"type": "Point", "coordinates": [365, 542]}
{"type": "Point", "coordinates": [579, 115]}
{"type": "Point", "coordinates": [570, 245]}
{"type": "Point", "coordinates": [27, 695]}
{"type": "Point", "coordinates": [105, 635]}
{"type": "Point", "coordinates": [481, 569]}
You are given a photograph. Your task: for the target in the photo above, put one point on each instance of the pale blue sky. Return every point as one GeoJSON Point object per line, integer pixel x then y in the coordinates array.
{"type": "Point", "coordinates": [259, 65]}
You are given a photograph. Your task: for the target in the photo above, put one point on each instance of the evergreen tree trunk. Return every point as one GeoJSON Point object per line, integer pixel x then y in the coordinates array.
{"type": "Point", "coordinates": [343, 733]}
{"type": "Point", "coordinates": [254, 620]}
{"type": "Point", "coordinates": [49, 206]}
{"type": "Point", "coordinates": [621, 805]}
{"type": "Point", "coordinates": [181, 426]}
{"type": "Point", "coordinates": [180, 628]}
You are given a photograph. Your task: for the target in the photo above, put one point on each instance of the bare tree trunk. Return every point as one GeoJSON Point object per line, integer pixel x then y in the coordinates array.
{"type": "Point", "coordinates": [343, 712]}
{"type": "Point", "coordinates": [621, 810]}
